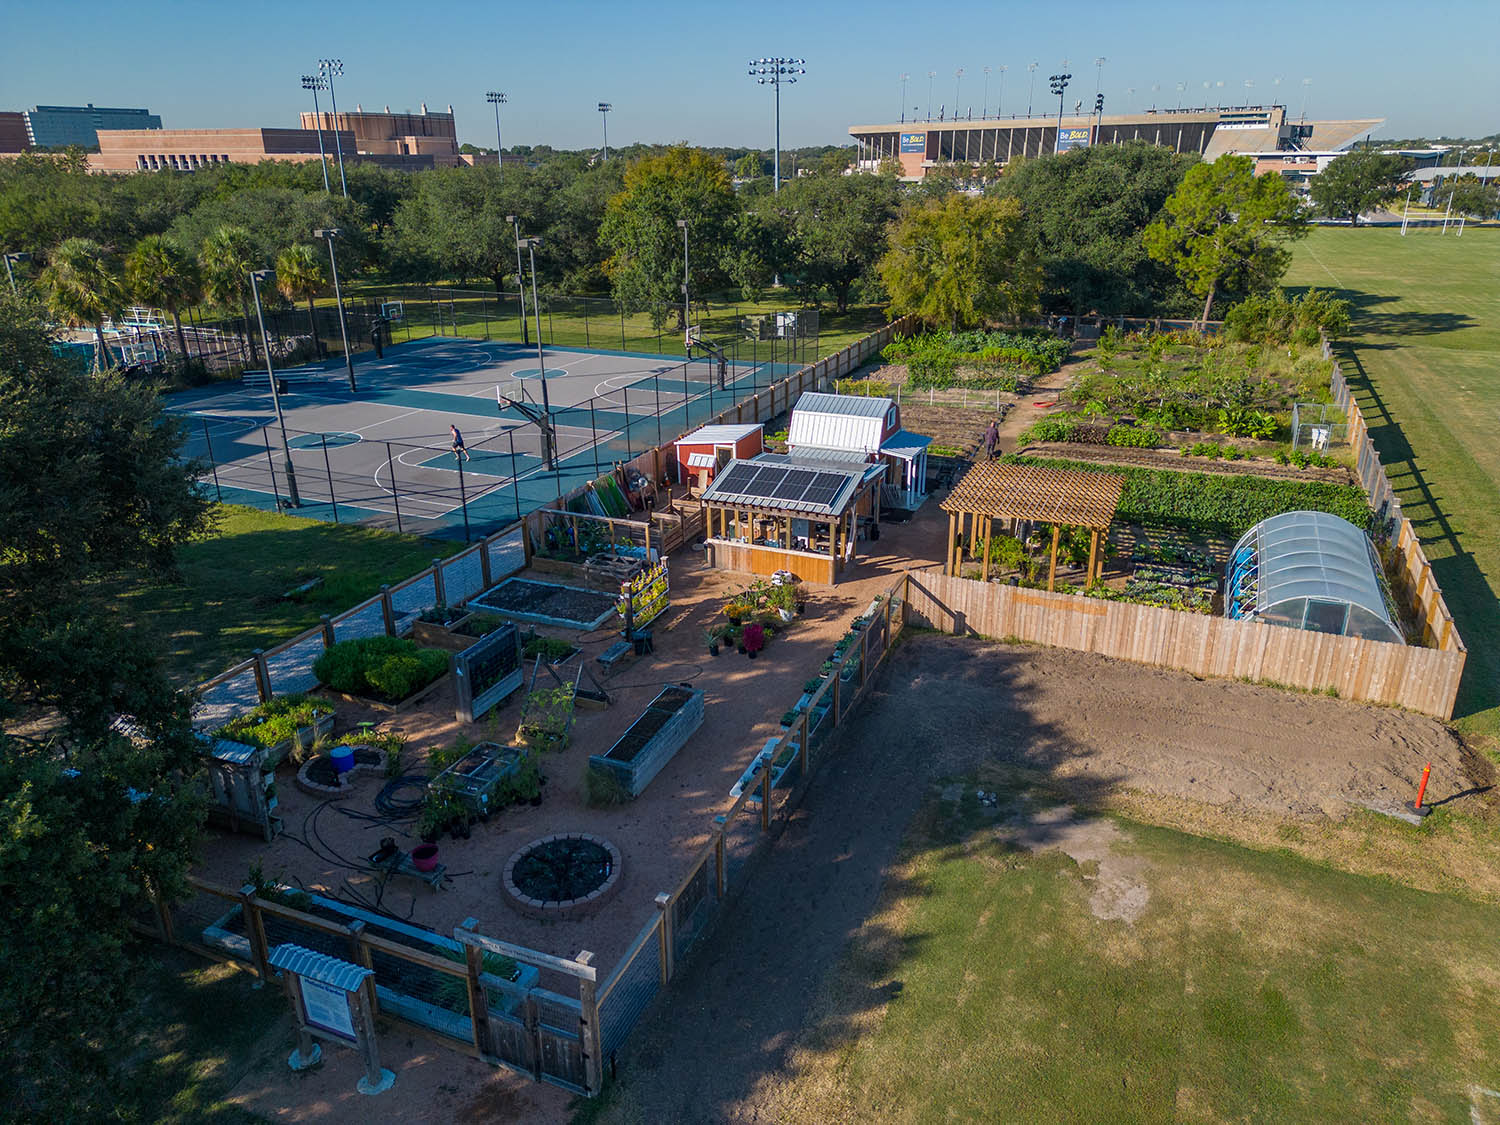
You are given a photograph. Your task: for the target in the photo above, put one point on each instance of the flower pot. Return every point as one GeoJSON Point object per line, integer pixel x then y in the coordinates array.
{"type": "Point", "coordinates": [424, 857]}
{"type": "Point", "coordinates": [751, 655]}
{"type": "Point", "coordinates": [713, 649]}
{"type": "Point", "coordinates": [740, 648]}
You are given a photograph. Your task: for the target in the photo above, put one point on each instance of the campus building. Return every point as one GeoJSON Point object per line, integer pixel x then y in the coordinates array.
{"type": "Point", "coordinates": [1262, 132]}
{"type": "Point", "coordinates": [394, 134]}
{"type": "Point", "coordinates": [13, 135]}
{"type": "Point", "coordinates": [53, 126]}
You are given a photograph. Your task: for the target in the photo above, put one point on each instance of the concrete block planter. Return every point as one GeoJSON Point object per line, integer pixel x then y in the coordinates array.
{"type": "Point", "coordinates": [651, 741]}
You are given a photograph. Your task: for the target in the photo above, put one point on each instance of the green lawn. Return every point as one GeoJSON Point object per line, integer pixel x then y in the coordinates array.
{"type": "Point", "coordinates": [230, 600]}
{"type": "Point", "coordinates": [1254, 985]}
{"type": "Point", "coordinates": [1424, 363]}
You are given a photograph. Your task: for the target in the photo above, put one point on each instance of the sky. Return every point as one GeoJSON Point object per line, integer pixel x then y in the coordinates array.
{"type": "Point", "coordinates": [677, 71]}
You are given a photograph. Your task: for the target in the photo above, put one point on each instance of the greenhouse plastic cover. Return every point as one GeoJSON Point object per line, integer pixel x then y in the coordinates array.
{"type": "Point", "coordinates": [1314, 555]}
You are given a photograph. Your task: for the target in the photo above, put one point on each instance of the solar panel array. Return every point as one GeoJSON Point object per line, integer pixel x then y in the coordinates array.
{"type": "Point", "coordinates": [793, 487]}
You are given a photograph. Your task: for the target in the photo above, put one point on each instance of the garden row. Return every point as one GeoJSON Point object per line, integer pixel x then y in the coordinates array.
{"type": "Point", "coordinates": [975, 360]}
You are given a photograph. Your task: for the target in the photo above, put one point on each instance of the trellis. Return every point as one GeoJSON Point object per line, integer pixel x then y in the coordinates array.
{"type": "Point", "coordinates": [994, 490]}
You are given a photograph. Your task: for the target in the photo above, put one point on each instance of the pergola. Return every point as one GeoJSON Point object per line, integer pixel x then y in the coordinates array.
{"type": "Point", "coordinates": [994, 490]}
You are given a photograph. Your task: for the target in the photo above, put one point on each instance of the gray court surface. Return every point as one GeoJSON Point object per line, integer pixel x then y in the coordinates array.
{"type": "Point", "coordinates": [383, 453]}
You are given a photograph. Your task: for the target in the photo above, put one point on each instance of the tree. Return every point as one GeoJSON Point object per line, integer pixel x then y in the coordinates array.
{"type": "Point", "coordinates": [83, 281]}
{"type": "Point", "coordinates": [750, 166]}
{"type": "Point", "coordinates": [1357, 182]}
{"type": "Point", "coordinates": [227, 259]}
{"type": "Point", "coordinates": [837, 224]}
{"type": "Point", "coordinates": [90, 820]}
{"type": "Point", "coordinates": [640, 228]}
{"type": "Point", "coordinates": [1471, 196]}
{"type": "Point", "coordinates": [162, 276]}
{"type": "Point", "coordinates": [455, 224]}
{"type": "Point", "coordinates": [1225, 228]}
{"type": "Point", "coordinates": [300, 277]}
{"type": "Point", "coordinates": [1086, 212]}
{"type": "Point", "coordinates": [962, 260]}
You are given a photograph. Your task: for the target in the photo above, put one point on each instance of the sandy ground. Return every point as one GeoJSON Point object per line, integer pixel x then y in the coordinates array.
{"type": "Point", "coordinates": [1088, 725]}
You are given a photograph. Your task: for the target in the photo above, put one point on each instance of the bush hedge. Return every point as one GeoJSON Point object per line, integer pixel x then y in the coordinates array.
{"type": "Point", "coordinates": [389, 668]}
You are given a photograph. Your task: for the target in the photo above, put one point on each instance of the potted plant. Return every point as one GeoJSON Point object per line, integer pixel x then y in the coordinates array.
{"type": "Point", "coordinates": [754, 639]}
{"type": "Point", "coordinates": [711, 638]}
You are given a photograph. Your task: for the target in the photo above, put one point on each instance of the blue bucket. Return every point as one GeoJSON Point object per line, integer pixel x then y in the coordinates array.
{"type": "Point", "coordinates": [343, 759]}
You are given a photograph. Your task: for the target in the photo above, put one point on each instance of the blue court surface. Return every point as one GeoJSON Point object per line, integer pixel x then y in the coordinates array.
{"type": "Point", "coordinates": [383, 453]}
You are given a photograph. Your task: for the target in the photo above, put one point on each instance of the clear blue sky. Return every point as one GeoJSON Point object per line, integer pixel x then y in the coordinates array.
{"type": "Point", "coordinates": [676, 71]}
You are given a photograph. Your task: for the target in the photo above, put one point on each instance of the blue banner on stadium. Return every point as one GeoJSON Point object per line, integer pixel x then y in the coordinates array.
{"type": "Point", "coordinates": [914, 142]}
{"type": "Point", "coordinates": [1072, 138]}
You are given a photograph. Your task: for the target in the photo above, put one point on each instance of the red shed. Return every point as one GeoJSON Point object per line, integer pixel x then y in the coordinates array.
{"type": "Point", "coordinates": [705, 451]}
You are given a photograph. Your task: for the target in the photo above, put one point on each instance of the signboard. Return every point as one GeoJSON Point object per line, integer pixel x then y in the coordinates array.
{"type": "Point", "coordinates": [1072, 138]}
{"type": "Point", "coordinates": [327, 1009]}
{"type": "Point", "coordinates": [914, 142]}
{"type": "Point", "coordinates": [645, 597]}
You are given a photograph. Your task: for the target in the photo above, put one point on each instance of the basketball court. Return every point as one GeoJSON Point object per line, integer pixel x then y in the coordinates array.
{"type": "Point", "coordinates": [383, 453]}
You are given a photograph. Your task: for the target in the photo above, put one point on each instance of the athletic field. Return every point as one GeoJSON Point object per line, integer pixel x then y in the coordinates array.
{"type": "Point", "coordinates": [1423, 360]}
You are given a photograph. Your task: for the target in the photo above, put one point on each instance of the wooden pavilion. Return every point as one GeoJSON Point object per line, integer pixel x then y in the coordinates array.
{"type": "Point", "coordinates": [994, 490]}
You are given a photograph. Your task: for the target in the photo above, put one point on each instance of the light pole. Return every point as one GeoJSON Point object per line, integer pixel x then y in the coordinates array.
{"type": "Point", "coordinates": [547, 453]}
{"type": "Point", "coordinates": [686, 306]}
{"type": "Point", "coordinates": [14, 256]}
{"type": "Point", "coordinates": [314, 82]}
{"type": "Point", "coordinates": [338, 295]}
{"type": "Point", "coordinates": [904, 78]}
{"type": "Point", "coordinates": [604, 108]}
{"type": "Point", "coordinates": [1099, 114]}
{"type": "Point", "coordinates": [774, 72]}
{"type": "Point", "coordinates": [1099, 75]}
{"type": "Point", "coordinates": [293, 499]}
{"type": "Point", "coordinates": [520, 279]}
{"type": "Point", "coordinates": [984, 110]}
{"type": "Point", "coordinates": [497, 100]}
{"type": "Point", "coordinates": [931, 74]}
{"type": "Point", "coordinates": [1000, 100]}
{"type": "Point", "coordinates": [1030, 93]}
{"type": "Point", "coordinates": [1306, 82]}
{"type": "Point", "coordinates": [1059, 84]}
{"type": "Point", "coordinates": [958, 85]}
{"type": "Point", "coordinates": [331, 69]}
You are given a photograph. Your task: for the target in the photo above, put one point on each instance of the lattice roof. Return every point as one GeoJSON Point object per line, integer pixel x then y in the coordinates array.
{"type": "Point", "coordinates": [1033, 492]}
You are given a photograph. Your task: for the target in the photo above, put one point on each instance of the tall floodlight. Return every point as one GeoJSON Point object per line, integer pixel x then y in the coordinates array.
{"type": "Point", "coordinates": [338, 295]}
{"type": "Point", "coordinates": [293, 498]}
{"type": "Point", "coordinates": [1099, 114]}
{"type": "Point", "coordinates": [931, 74]}
{"type": "Point", "coordinates": [984, 109]}
{"type": "Point", "coordinates": [1059, 84]}
{"type": "Point", "coordinates": [530, 245]}
{"type": "Point", "coordinates": [1099, 75]}
{"type": "Point", "coordinates": [1306, 82]}
{"type": "Point", "coordinates": [314, 82]}
{"type": "Point", "coordinates": [515, 221]}
{"type": "Point", "coordinates": [604, 108]}
{"type": "Point", "coordinates": [776, 72]}
{"type": "Point", "coordinates": [1031, 91]}
{"type": "Point", "coordinates": [497, 100]}
{"type": "Point", "coordinates": [958, 85]}
{"type": "Point", "coordinates": [686, 304]}
{"type": "Point", "coordinates": [1000, 99]}
{"type": "Point", "coordinates": [331, 69]}
{"type": "Point", "coordinates": [904, 79]}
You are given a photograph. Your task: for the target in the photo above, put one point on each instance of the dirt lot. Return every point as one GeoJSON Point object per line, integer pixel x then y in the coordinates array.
{"type": "Point", "coordinates": [1086, 724]}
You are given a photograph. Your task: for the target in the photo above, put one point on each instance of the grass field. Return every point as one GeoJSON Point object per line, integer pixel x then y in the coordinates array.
{"type": "Point", "coordinates": [230, 599]}
{"type": "Point", "coordinates": [1423, 360]}
{"type": "Point", "coordinates": [1000, 982]}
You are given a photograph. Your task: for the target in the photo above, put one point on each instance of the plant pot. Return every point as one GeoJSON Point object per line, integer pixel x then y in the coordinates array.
{"type": "Point", "coordinates": [751, 655]}
{"type": "Point", "coordinates": [713, 650]}
{"type": "Point", "coordinates": [740, 648]}
{"type": "Point", "coordinates": [424, 857]}
{"type": "Point", "coordinates": [785, 614]}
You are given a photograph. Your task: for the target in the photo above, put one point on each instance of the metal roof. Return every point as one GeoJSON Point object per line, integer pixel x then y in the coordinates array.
{"type": "Point", "coordinates": [904, 443]}
{"type": "Point", "coordinates": [838, 422]}
{"type": "Point", "coordinates": [718, 435]}
{"type": "Point", "coordinates": [1285, 562]}
{"type": "Point", "coordinates": [318, 966]}
{"type": "Point", "coordinates": [795, 485]}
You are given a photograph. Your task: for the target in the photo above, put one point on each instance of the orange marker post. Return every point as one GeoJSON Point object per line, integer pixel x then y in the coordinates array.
{"type": "Point", "coordinates": [1417, 806]}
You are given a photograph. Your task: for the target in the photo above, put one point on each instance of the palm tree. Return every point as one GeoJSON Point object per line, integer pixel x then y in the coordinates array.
{"type": "Point", "coordinates": [227, 258]}
{"type": "Point", "coordinates": [83, 281]}
{"type": "Point", "coordinates": [299, 276]}
{"type": "Point", "coordinates": [164, 277]}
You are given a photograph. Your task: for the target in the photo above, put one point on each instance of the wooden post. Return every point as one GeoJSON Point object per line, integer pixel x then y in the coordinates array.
{"type": "Point", "coordinates": [588, 1028]}
{"type": "Point", "coordinates": [989, 526]}
{"type": "Point", "coordinates": [765, 794]}
{"type": "Point", "coordinates": [486, 579]}
{"type": "Point", "coordinates": [387, 611]}
{"type": "Point", "coordinates": [439, 587]}
{"type": "Point", "coordinates": [479, 1006]}
{"type": "Point", "coordinates": [328, 638]}
{"type": "Point", "coordinates": [951, 569]}
{"type": "Point", "coordinates": [664, 905]}
{"type": "Point", "coordinates": [719, 822]}
{"type": "Point", "coordinates": [262, 676]}
{"type": "Point", "coordinates": [648, 538]}
{"type": "Point", "coordinates": [526, 536]}
{"type": "Point", "coordinates": [1093, 556]}
{"type": "Point", "coordinates": [1052, 570]}
{"type": "Point", "coordinates": [255, 930]}
{"type": "Point", "coordinates": [833, 547]}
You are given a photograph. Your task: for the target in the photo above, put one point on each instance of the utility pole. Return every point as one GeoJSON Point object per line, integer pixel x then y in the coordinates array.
{"type": "Point", "coordinates": [315, 82]}
{"type": "Point", "coordinates": [293, 498]}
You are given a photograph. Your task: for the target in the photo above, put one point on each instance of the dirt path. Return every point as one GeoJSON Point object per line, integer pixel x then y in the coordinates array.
{"type": "Point", "coordinates": [1087, 723]}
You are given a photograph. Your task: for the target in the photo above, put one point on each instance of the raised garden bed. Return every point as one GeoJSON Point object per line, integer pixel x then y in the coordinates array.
{"type": "Point", "coordinates": [444, 635]}
{"type": "Point", "coordinates": [652, 740]}
{"type": "Point", "coordinates": [479, 779]}
{"type": "Point", "coordinates": [547, 603]}
{"type": "Point", "coordinates": [552, 650]}
{"type": "Point", "coordinates": [372, 670]}
{"type": "Point", "coordinates": [278, 724]}
{"type": "Point", "coordinates": [319, 777]}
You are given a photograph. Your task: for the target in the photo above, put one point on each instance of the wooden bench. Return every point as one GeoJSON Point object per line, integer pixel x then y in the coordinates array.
{"type": "Point", "coordinates": [614, 654]}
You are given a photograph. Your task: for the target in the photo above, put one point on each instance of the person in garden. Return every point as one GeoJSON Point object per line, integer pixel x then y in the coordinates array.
{"type": "Point", "coordinates": [991, 439]}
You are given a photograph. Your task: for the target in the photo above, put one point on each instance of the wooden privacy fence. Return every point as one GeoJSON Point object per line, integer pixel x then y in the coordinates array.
{"type": "Point", "coordinates": [1412, 572]}
{"type": "Point", "coordinates": [1421, 679]}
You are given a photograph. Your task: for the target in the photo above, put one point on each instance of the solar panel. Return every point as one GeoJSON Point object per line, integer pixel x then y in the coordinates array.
{"type": "Point", "coordinates": [736, 479]}
{"type": "Point", "coordinates": [824, 488]}
{"type": "Point", "coordinates": [793, 485]}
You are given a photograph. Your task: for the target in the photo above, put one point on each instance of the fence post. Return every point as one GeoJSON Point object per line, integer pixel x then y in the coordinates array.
{"type": "Point", "coordinates": [255, 930]}
{"type": "Point", "coordinates": [479, 1006]}
{"type": "Point", "coordinates": [485, 576]}
{"type": "Point", "coordinates": [262, 676]}
{"type": "Point", "coordinates": [439, 587]}
{"type": "Point", "coordinates": [838, 681]}
{"type": "Point", "coordinates": [387, 611]}
{"type": "Point", "coordinates": [864, 656]}
{"type": "Point", "coordinates": [356, 930]}
{"type": "Point", "coordinates": [719, 821]}
{"type": "Point", "coordinates": [664, 905]}
{"type": "Point", "coordinates": [765, 793]}
{"type": "Point", "coordinates": [802, 750]}
{"type": "Point", "coordinates": [588, 1028]}
{"type": "Point", "coordinates": [328, 637]}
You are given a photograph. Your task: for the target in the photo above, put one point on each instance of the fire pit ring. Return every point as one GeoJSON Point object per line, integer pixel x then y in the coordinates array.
{"type": "Point", "coordinates": [571, 873]}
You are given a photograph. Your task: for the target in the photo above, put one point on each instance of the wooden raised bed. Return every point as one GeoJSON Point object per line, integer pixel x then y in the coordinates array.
{"type": "Point", "coordinates": [431, 634]}
{"type": "Point", "coordinates": [652, 740]}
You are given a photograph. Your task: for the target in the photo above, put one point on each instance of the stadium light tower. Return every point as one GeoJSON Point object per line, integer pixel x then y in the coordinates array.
{"type": "Point", "coordinates": [330, 234]}
{"type": "Point", "coordinates": [604, 108]}
{"type": "Point", "coordinates": [984, 109]}
{"type": "Point", "coordinates": [931, 74]}
{"type": "Point", "coordinates": [1032, 91]}
{"type": "Point", "coordinates": [958, 85]}
{"type": "Point", "coordinates": [1099, 75]}
{"type": "Point", "coordinates": [1059, 84]}
{"type": "Point", "coordinates": [775, 72]}
{"type": "Point", "coordinates": [515, 222]}
{"type": "Point", "coordinates": [331, 69]}
{"type": "Point", "coordinates": [314, 82]}
{"type": "Point", "coordinates": [1306, 82]}
{"type": "Point", "coordinates": [904, 79]}
{"type": "Point", "coordinates": [497, 100]}
{"type": "Point", "coordinates": [293, 498]}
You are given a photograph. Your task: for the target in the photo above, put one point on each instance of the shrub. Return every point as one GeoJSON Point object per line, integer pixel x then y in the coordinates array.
{"type": "Point", "coordinates": [386, 666]}
{"type": "Point", "coordinates": [602, 788]}
{"type": "Point", "coordinates": [273, 722]}
{"type": "Point", "coordinates": [1274, 319]}
{"type": "Point", "coordinates": [1137, 437]}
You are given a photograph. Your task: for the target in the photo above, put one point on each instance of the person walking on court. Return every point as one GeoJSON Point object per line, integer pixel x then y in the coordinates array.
{"type": "Point", "coordinates": [458, 444]}
{"type": "Point", "coordinates": [991, 439]}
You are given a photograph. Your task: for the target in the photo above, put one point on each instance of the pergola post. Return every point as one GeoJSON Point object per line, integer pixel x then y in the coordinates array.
{"type": "Point", "coordinates": [1052, 569]}
{"type": "Point", "coordinates": [989, 526]}
{"type": "Point", "coordinates": [1093, 556]}
{"type": "Point", "coordinates": [952, 542]}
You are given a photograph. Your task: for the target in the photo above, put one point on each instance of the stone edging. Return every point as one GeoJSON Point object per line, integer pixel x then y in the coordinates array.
{"type": "Point", "coordinates": [574, 908]}
{"type": "Point", "coordinates": [346, 781]}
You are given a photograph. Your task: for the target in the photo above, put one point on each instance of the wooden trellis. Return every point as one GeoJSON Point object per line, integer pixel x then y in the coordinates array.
{"type": "Point", "coordinates": [994, 490]}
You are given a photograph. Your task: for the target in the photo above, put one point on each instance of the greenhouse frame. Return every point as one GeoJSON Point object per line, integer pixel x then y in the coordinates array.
{"type": "Point", "coordinates": [1313, 571]}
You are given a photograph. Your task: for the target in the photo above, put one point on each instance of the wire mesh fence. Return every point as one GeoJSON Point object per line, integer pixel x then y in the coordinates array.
{"type": "Point", "coordinates": [630, 988]}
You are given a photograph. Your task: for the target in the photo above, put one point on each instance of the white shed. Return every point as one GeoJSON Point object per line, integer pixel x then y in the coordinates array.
{"type": "Point", "coordinates": [827, 424]}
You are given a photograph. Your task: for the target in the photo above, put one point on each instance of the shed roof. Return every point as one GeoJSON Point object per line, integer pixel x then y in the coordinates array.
{"type": "Point", "coordinates": [904, 443]}
{"type": "Point", "coordinates": [1036, 492]}
{"type": "Point", "coordinates": [805, 486]}
{"type": "Point", "coordinates": [718, 435]}
{"type": "Point", "coordinates": [838, 422]}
